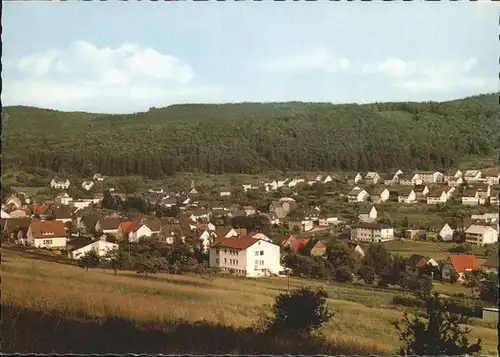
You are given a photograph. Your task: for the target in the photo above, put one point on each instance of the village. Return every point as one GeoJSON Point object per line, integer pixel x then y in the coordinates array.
{"type": "Point", "coordinates": [72, 227]}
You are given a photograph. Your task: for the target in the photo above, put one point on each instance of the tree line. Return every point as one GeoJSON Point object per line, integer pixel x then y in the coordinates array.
{"type": "Point", "coordinates": [251, 138]}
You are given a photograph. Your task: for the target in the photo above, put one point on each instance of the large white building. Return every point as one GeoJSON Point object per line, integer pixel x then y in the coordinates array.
{"type": "Point", "coordinates": [101, 247]}
{"type": "Point", "coordinates": [47, 234]}
{"type": "Point", "coordinates": [246, 256]}
{"type": "Point", "coordinates": [371, 232]}
{"type": "Point", "coordinates": [480, 235]}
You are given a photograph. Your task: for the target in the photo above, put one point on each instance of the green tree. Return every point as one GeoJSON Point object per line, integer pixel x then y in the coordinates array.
{"type": "Point", "coordinates": [116, 259]}
{"type": "Point", "coordinates": [489, 287]}
{"type": "Point", "coordinates": [378, 257]}
{"type": "Point", "coordinates": [435, 331]}
{"type": "Point", "coordinates": [367, 273]}
{"type": "Point", "coordinates": [472, 280]}
{"type": "Point", "coordinates": [301, 311]}
{"type": "Point", "coordinates": [90, 260]}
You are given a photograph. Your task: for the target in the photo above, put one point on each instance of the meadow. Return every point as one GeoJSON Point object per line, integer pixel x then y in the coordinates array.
{"type": "Point", "coordinates": [361, 325]}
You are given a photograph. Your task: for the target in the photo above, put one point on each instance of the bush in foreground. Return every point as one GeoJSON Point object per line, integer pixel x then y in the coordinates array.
{"type": "Point", "coordinates": [54, 332]}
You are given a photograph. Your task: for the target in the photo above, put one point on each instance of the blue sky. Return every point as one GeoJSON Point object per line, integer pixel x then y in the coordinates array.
{"type": "Point", "coordinates": [128, 56]}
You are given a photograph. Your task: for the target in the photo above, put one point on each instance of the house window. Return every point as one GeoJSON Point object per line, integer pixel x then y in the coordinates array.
{"type": "Point", "coordinates": [225, 251]}
{"type": "Point", "coordinates": [261, 252]}
{"type": "Point", "coordinates": [47, 241]}
{"type": "Point", "coordinates": [217, 260]}
{"type": "Point", "coordinates": [217, 251]}
{"type": "Point", "coordinates": [257, 253]}
{"type": "Point", "coordinates": [225, 260]}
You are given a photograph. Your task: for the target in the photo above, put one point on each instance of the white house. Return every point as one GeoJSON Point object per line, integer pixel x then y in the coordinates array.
{"type": "Point", "coordinates": [410, 179]}
{"type": "Point", "coordinates": [370, 216]}
{"type": "Point", "coordinates": [470, 197]}
{"type": "Point", "coordinates": [379, 194]}
{"type": "Point", "coordinates": [480, 235]}
{"type": "Point", "coordinates": [307, 225]}
{"type": "Point", "coordinates": [455, 181]}
{"type": "Point", "coordinates": [59, 184]}
{"type": "Point", "coordinates": [436, 196]}
{"type": "Point", "coordinates": [98, 177]}
{"type": "Point", "coordinates": [490, 217]}
{"type": "Point", "coordinates": [138, 232]}
{"type": "Point", "coordinates": [246, 256]}
{"type": "Point", "coordinates": [446, 233]}
{"type": "Point", "coordinates": [452, 174]}
{"type": "Point", "coordinates": [407, 195]}
{"type": "Point", "coordinates": [356, 178]}
{"type": "Point", "coordinates": [327, 179]}
{"type": "Point", "coordinates": [372, 232]}
{"type": "Point", "coordinates": [472, 175]}
{"type": "Point", "coordinates": [63, 198]}
{"type": "Point", "coordinates": [372, 177]}
{"type": "Point", "coordinates": [493, 179]}
{"type": "Point", "coordinates": [101, 247]}
{"type": "Point", "coordinates": [357, 195]}
{"type": "Point", "coordinates": [85, 202]}
{"type": "Point", "coordinates": [87, 185]}
{"type": "Point", "coordinates": [431, 176]}
{"type": "Point", "coordinates": [48, 234]}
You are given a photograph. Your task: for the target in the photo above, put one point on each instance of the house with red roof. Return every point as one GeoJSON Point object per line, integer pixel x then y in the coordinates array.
{"type": "Point", "coordinates": [245, 256]}
{"type": "Point", "coordinates": [460, 263]}
{"type": "Point", "coordinates": [138, 230]}
{"type": "Point", "coordinates": [47, 234]}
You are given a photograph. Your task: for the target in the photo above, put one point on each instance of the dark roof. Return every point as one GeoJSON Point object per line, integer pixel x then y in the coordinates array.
{"type": "Point", "coordinates": [14, 224]}
{"type": "Point", "coordinates": [90, 220]}
{"type": "Point", "coordinates": [109, 223]}
{"type": "Point", "coordinates": [235, 243]}
{"type": "Point", "coordinates": [370, 225]}
{"type": "Point", "coordinates": [62, 212]}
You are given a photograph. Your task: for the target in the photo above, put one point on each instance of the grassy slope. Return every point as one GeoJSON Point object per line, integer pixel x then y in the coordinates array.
{"type": "Point", "coordinates": [362, 316]}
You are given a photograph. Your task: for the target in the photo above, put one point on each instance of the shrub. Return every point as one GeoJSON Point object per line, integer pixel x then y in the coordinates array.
{"type": "Point", "coordinates": [301, 311]}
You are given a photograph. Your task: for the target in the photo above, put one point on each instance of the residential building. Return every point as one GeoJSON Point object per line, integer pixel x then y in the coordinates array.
{"type": "Point", "coordinates": [372, 178]}
{"type": "Point", "coordinates": [63, 198]}
{"type": "Point", "coordinates": [436, 196]}
{"type": "Point", "coordinates": [460, 263]}
{"type": "Point", "coordinates": [480, 235]}
{"type": "Point", "coordinates": [415, 264]}
{"type": "Point", "coordinates": [491, 264]}
{"type": "Point", "coordinates": [107, 225]}
{"type": "Point", "coordinates": [87, 185]}
{"type": "Point", "coordinates": [410, 179]}
{"type": "Point", "coordinates": [446, 233]}
{"type": "Point", "coordinates": [245, 256]}
{"type": "Point", "coordinates": [47, 234]}
{"type": "Point", "coordinates": [370, 216]}
{"type": "Point", "coordinates": [354, 180]}
{"type": "Point", "coordinates": [407, 195]}
{"type": "Point", "coordinates": [379, 194]}
{"type": "Point", "coordinates": [318, 249]}
{"type": "Point", "coordinates": [430, 176]}
{"type": "Point", "coordinates": [138, 231]}
{"type": "Point", "coordinates": [357, 195]}
{"type": "Point", "coordinates": [472, 175]}
{"type": "Point", "coordinates": [101, 247]}
{"type": "Point", "coordinates": [59, 184]}
{"type": "Point", "coordinates": [371, 232]}
{"type": "Point", "coordinates": [452, 174]}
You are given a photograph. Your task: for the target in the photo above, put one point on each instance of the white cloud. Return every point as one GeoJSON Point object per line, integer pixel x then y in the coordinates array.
{"type": "Point", "coordinates": [407, 75]}
{"type": "Point", "coordinates": [316, 60]}
{"type": "Point", "coordinates": [83, 73]}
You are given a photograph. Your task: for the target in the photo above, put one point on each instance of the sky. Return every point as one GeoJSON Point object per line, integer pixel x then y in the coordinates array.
{"type": "Point", "coordinates": [123, 57]}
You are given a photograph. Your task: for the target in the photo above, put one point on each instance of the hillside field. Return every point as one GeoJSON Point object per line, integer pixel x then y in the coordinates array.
{"type": "Point", "coordinates": [361, 325]}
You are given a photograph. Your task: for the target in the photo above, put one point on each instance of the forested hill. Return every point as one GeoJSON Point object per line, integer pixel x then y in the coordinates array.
{"type": "Point", "coordinates": [252, 137]}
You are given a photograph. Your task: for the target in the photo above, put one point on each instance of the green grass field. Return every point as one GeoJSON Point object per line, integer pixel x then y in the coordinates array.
{"type": "Point", "coordinates": [362, 315]}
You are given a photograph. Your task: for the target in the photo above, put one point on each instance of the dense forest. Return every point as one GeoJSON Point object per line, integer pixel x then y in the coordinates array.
{"type": "Point", "coordinates": [251, 137]}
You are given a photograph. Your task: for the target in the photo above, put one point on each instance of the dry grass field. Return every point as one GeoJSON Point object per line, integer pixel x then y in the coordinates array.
{"type": "Point", "coordinates": [361, 323]}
